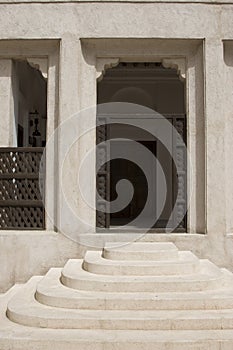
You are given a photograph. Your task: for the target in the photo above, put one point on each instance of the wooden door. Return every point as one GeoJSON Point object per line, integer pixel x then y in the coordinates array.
{"type": "Point", "coordinates": [102, 175]}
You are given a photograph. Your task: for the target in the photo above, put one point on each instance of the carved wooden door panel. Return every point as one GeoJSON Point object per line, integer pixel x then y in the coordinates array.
{"type": "Point", "coordinates": [103, 174]}
{"type": "Point", "coordinates": [179, 173]}
{"type": "Point", "coordinates": [180, 157]}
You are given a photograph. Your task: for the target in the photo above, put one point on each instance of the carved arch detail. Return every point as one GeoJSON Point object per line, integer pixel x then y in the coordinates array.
{"type": "Point", "coordinates": [102, 64]}
{"type": "Point", "coordinates": [177, 63]}
{"type": "Point", "coordinates": [40, 64]}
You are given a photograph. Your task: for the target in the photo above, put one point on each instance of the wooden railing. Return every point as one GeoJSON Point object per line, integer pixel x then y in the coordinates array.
{"type": "Point", "coordinates": [21, 205]}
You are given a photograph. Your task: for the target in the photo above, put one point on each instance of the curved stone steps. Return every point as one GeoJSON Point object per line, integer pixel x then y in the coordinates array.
{"type": "Point", "coordinates": [24, 309]}
{"type": "Point", "coordinates": [72, 308]}
{"type": "Point", "coordinates": [141, 251]}
{"type": "Point", "coordinates": [185, 263]}
{"type": "Point", "coordinates": [28, 338]}
{"type": "Point", "coordinates": [14, 336]}
{"type": "Point", "coordinates": [74, 276]}
{"type": "Point", "coordinates": [52, 293]}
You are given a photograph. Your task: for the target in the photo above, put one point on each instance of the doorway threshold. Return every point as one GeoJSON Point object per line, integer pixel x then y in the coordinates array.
{"type": "Point", "coordinates": [133, 229]}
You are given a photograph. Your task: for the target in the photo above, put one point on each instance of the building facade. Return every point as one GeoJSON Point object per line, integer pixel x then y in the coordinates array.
{"type": "Point", "coordinates": [58, 60]}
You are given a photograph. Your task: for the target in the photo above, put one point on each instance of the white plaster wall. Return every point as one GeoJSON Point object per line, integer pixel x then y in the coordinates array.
{"type": "Point", "coordinates": [75, 20]}
{"type": "Point", "coordinates": [6, 112]}
{"type": "Point", "coordinates": [24, 254]}
{"type": "Point", "coordinates": [75, 82]}
{"type": "Point", "coordinates": [228, 66]}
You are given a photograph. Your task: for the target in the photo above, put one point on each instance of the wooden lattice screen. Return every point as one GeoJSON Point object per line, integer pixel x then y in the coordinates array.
{"type": "Point", "coordinates": [21, 205]}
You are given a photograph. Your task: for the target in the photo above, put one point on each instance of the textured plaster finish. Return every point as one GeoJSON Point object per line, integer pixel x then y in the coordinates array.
{"type": "Point", "coordinates": [98, 20]}
{"type": "Point", "coordinates": [72, 87]}
{"type": "Point", "coordinates": [216, 2]}
{"type": "Point", "coordinates": [23, 255]}
{"type": "Point", "coordinates": [228, 65]}
{"type": "Point", "coordinates": [215, 137]}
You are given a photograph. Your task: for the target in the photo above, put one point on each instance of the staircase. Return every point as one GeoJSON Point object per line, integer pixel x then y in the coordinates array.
{"type": "Point", "coordinates": [146, 296]}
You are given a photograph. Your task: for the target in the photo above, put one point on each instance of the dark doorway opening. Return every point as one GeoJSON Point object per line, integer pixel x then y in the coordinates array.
{"type": "Point", "coordinates": [124, 169]}
{"type": "Point", "coordinates": [30, 104]}
{"type": "Point", "coordinates": [149, 85]}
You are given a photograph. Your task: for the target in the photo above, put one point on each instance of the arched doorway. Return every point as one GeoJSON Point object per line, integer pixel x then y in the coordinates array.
{"type": "Point", "coordinates": [159, 89]}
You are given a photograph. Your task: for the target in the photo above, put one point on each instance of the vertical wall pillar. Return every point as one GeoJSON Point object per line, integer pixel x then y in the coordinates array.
{"type": "Point", "coordinates": [196, 142]}
{"type": "Point", "coordinates": [76, 75]}
{"type": "Point", "coordinates": [228, 66]}
{"type": "Point", "coordinates": [7, 128]}
{"type": "Point", "coordinates": [87, 143]}
{"type": "Point", "coordinates": [51, 154]}
{"type": "Point", "coordinates": [67, 166]}
{"type": "Point", "coordinates": [215, 138]}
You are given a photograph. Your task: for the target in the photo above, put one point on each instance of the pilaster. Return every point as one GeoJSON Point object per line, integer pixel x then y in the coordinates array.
{"type": "Point", "coordinates": [215, 137]}
{"type": "Point", "coordinates": [67, 130]}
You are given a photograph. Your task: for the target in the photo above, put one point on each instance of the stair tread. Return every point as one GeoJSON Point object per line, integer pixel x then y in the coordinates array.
{"type": "Point", "coordinates": [140, 247]}
{"type": "Point", "coordinates": [183, 257]}
{"type": "Point", "coordinates": [95, 262]}
{"type": "Point", "coordinates": [22, 338]}
{"type": "Point", "coordinates": [74, 276]}
{"type": "Point", "coordinates": [73, 268]}
{"type": "Point", "coordinates": [27, 295]}
{"type": "Point", "coordinates": [140, 251]}
{"type": "Point", "coordinates": [51, 284]}
{"type": "Point", "coordinates": [24, 309]}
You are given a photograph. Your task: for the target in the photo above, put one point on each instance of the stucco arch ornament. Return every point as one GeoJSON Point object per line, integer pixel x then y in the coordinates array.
{"type": "Point", "coordinates": [77, 170]}
{"type": "Point", "coordinates": [105, 63]}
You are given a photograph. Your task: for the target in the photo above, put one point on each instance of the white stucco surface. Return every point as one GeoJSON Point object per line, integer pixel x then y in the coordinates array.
{"type": "Point", "coordinates": [77, 38]}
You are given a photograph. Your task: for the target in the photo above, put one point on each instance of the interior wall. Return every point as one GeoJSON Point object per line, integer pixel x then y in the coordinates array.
{"type": "Point", "coordinates": [157, 88]}
{"type": "Point", "coordinates": [30, 95]}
